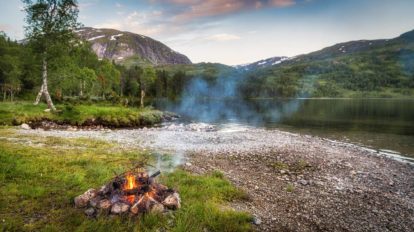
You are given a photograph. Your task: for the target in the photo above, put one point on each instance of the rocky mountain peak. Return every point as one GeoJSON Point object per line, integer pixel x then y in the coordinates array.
{"type": "Point", "coordinates": [126, 47]}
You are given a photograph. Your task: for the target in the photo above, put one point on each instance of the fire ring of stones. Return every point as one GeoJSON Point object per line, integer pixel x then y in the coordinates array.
{"type": "Point", "coordinates": [131, 193]}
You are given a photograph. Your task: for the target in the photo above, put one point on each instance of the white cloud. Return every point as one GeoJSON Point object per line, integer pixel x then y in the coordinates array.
{"type": "Point", "coordinates": [135, 22]}
{"type": "Point", "coordinates": [223, 37]}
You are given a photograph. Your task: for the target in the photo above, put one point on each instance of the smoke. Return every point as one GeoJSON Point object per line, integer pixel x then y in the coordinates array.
{"type": "Point", "coordinates": [221, 101]}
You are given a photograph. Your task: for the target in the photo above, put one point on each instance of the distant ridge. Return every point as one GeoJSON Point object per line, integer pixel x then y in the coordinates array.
{"type": "Point", "coordinates": [122, 46]}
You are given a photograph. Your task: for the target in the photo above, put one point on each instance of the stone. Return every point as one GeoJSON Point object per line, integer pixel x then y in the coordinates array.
{"type": "Point", "coordinates": [95, 201]}
{"type": "Point", "coordinates": [25, 126]}
{"type": "Point", "coordinates": [46, 110]}
{"type": "Point", "coordinates": [188, 164]}
{"type": "Point", "coordinates": [90, 212]}
{"type": "Point", "coordinates": [82, 200]}
{"type": "Point", "coordinates": [257, 221]}
{"type": "Point", "coordinates": [104, 204]}
{"type": "Point", "coordinates": [119, 208]}
{"type": "Point", "coordinates": [157, 208]}
{"type": "Point", "coordinates": [173, 201]}
{"type": "Point", "coordinates": [104, 189]}
{"type": "Point", "coordinates": [282, 171]}
{"type": "Point", "coordinates": [303, 182]}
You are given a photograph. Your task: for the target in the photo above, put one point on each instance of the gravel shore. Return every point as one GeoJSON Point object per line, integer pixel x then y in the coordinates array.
{"type": "Point", "coordinates": [294, 182]}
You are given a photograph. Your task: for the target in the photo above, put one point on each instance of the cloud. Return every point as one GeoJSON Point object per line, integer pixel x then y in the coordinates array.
{"type": "Point", "coordinates": [138, 22]}
{"type": "Point", "coordinates": [223, 37]}
{"type": "Point", "coordinates": [5, 27]}
{"type": "Point", "coordinates": [194, 9]}
{"type": "Point", "coordinates": [282, 3]}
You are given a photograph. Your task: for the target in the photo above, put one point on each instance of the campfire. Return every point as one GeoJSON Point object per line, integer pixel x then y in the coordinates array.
{"type": "Point", "coordinates": [133, 192]}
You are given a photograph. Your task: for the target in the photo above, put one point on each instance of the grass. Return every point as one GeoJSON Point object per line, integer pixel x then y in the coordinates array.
{"type": "Point", "coordinates": [296, 166]}
{"type": "Point", "coordinates": [290, 188]}
{"type": "Point", "coordinates": [38, 184]}
{"type": "Point", "coordinates": [17, 113]}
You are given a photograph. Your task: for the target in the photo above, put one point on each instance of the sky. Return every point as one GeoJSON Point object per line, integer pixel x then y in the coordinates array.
{"type": "Point", "coordinates": [238, 31]}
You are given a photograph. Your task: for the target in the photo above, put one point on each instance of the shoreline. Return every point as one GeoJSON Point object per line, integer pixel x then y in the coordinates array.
{"type": "Point", "coordinates": [294, 182]}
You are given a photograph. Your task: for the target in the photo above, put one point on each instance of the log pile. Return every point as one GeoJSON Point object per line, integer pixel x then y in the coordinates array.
{"type": "Point", "coordinates": [130, 193]}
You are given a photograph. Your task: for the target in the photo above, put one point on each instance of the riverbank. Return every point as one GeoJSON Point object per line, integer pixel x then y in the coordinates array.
{"type": "Point", "coordinates": [40, 176]}
{"type": "Point", "coordinates": [294, 182]}
{"type": "Point", "coordinates": [90, 116]}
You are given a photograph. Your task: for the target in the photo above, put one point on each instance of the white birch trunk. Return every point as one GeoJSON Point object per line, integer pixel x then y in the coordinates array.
{"type": "Point", "coordinates": [43, 89]}
{"type": "Point", "coordinates": [142, 98]}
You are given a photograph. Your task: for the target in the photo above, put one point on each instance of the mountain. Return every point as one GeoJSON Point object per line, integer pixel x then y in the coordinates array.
{"type": "Point", "coordinates": [262, 63]}
{"type": "Point", "coordinates": [126, 47]}
{"type": "Point", "coordinates": [382, 68]}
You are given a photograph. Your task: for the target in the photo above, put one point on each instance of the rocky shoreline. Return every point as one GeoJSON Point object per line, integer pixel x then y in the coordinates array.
{"type": "Point", "coordinates": [294, 182]}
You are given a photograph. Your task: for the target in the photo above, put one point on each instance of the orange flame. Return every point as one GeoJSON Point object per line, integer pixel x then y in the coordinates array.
{"type": "Point", "coordinates": [131, 183]}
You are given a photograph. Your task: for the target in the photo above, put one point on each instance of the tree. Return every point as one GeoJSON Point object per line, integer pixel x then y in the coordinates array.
{"type": "Point", "coordinates": [50, 25]}
{"type": "Point", "coordinates": [147, 79]}
{"type": "Point", "coordinates": [10, 67]}
{"type": "Point", "coordinates": [108, 77]}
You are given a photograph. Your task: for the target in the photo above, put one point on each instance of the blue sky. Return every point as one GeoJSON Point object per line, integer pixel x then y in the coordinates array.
{"type": "Point", "coordinates": [239, 31]}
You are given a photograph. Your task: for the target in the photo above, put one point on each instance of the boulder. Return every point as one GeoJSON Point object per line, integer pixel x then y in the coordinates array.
{"type": "Point", "coordinates": [157, 208]}
{"type": "Point", "coordinates": [119, 208]}
{"type": "Point", "coordinates": [25, 126]}
{"type": "Point", "coordinates": [82, 200]}
{"type": "Point", "coordinates": [173, 201]}
{"type": "Point", "coordinates": [104, 204]}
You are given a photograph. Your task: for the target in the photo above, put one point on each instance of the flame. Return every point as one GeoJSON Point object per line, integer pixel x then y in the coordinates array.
{"type": "Point", "coordinates": [130, 198]}
{"type": "Point", "coordinates": [131, 183]}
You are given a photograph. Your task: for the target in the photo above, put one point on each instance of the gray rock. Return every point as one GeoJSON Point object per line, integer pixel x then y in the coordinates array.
{"type": "Point", "coordinates": [119, 208]}
{"type": "Point", "coordinates": [173, 201]}
{"type": "Point", "coordinates": [303, 182]}
{"type": "Point", "coordinates": [90, 212]}
{"type": "Point", "coordinates": [25, 126]}
{"type": "Point", "coordinates": [104, 204]}
{"type": "Point", "coordinates": [257, 221]}
{"type": "Point", "coordinates": [82, 200]}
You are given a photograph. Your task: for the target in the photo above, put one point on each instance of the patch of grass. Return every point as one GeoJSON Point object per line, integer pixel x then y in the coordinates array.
{"type": "Point", "coordinates": [280, 165]}
{"type": "Point", "coordinates": [38, 184]}
{"type": "Point", "coordinates": [17, 113]}
{"type": "Point", "coordinates": [290, 188]}
{"type": "Point", "coordinates": [202, 198]}
{"type": "Point", "coordinates": [297, 166]}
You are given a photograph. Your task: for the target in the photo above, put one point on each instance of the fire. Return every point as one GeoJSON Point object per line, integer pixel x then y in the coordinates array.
{"type": "Point", "coordinates": [131, 183]}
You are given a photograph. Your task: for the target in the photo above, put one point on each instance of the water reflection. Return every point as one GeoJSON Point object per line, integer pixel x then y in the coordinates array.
{"type": "Point", "coordinates": [380, 123]}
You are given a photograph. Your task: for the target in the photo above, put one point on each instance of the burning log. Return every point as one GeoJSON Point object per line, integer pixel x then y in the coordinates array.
{"type": "Point", "coordinates": [133, 192]}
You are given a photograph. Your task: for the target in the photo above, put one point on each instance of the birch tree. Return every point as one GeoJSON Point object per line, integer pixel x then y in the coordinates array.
{"type": "Point", "coordinates": [50, 26]}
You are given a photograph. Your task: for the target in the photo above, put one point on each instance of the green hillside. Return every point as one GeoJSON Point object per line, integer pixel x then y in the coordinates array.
{"type": "Point", "coordinates": [378, 68]}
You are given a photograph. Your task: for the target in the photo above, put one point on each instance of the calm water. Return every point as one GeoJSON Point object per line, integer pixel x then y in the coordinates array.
{"type": "Point", "coordinates": [377, 123]}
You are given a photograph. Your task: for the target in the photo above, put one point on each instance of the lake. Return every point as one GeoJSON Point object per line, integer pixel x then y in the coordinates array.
{"type": "Point", "coordinates": [381, 124]}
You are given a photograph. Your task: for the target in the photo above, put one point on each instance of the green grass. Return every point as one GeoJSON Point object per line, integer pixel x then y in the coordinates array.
{"type": "Point", "coordinates": [112, 116]}
{"type": "Point", "coordinates": [38, 184]}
